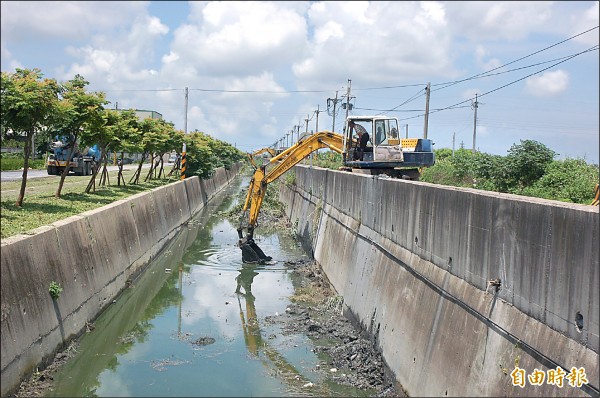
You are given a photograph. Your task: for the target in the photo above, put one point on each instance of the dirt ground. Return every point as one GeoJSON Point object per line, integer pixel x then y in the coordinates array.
{"type": "Point", "coordinates": [317, 312]}
{"type": "Point", "coordinates": [41, 381]}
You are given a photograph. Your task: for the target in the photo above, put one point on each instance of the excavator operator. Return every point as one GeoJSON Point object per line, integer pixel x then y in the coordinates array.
{"type": "Point", "coordinates": [363, 139]}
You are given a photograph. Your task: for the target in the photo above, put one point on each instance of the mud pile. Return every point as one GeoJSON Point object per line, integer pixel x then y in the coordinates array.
{"type": "Point", "coordinates": [317, 312]}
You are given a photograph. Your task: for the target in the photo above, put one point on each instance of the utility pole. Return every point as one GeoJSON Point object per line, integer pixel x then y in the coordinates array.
{"type": "Point", "coordinates": [475, 105]}
{"type": "Point", "coordinates": [348, 98]}
{"type": "Point", "coordinates": [317, 123]}
{"type": "Point", "coordinates": [306, 120]}
{"type": "Point", "coordinates": [186, 110]}
{"type": "Point", "coordinates": [427, 90]}
{"type": "Point", "coordinates": [406, 130]}
{"type": "Point", "coordinates": [335, 101]}
{"type": "Point", "coordinates": [453, 140]}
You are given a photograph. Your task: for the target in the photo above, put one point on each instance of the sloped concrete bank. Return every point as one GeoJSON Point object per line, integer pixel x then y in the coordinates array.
{"type": "Point", "coordinates": [418, 264]}
{"type": "Point", "coordinates": [92, 256]}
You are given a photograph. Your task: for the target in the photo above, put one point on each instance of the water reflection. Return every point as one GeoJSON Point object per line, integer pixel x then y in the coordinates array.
{"type": "Point", "coordinates": [252, 335]}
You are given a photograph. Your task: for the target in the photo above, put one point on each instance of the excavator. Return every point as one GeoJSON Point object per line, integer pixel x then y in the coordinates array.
{"type": "Point", "coordinates": [386, 153]}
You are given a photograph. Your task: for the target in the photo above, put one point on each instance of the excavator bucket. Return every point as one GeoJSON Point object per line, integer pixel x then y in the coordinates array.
{"type": "Point", "coordinates": [251, 253]}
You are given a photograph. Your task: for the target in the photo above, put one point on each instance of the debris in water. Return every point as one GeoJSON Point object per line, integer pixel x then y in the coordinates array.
{"type": "Point", "coordinates": [160, 366]}
{"type": "Point", "coordinates": [204, 341]}
{"type": "Point", "coordinates": [167, 270]}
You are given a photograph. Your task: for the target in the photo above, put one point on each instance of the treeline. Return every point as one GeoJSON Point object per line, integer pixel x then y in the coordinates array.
{"type": "Point", "coordinates": [33, 105]}
{"type": "Point", "coordinates": [528, 169]}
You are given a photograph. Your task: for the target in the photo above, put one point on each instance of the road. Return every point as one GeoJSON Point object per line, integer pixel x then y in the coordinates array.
{"type": "Point", "coordinates": [18, 174]}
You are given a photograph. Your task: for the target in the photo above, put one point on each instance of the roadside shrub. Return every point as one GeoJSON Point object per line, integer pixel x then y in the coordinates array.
{"type": "Point", "coordinates": [569, 180]}
{"type": "Point", "coordinates": [442, 172]}
{"type": "Point", "coordinates": [10, 164]}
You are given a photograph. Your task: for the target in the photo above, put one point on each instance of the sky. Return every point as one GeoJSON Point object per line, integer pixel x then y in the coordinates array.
{"type": "Point", "coordinates": [256, 70]}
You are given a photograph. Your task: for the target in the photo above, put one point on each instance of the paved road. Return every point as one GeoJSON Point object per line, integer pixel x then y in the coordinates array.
{"type": "Point", "coordinates": [18, 174]}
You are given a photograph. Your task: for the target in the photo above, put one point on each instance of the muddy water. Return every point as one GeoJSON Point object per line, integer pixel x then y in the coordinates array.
{"type": "Point", "coordinates": [195, 324]}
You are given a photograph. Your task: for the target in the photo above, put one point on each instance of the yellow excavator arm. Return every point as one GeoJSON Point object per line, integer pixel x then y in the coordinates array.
{"type": "Point", "coordinates": [261, 178]}
{"type": "Point", "coordinates": [251, 156]}
{"type": "Point", "coordinates": [263, 150]}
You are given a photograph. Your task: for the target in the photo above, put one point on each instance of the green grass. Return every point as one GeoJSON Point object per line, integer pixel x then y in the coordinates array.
{"type": "Point", "coordinates": [10, 164]}
{"type": "Point", "coordinates": [40, 207]}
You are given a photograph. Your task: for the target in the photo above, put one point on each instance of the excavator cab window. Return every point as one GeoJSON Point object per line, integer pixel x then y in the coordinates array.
{"type": "Point", "coordinates": [380, 132]}
{"type": "Point", "coordinates": [386, 132]}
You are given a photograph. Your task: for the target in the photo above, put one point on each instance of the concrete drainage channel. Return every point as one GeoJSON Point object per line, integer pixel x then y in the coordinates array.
{"type": "Point", "coordinates": [199, 322]}
{"type": "Point", "coordinates": [91, 257]}
{"type": "Point", "coordinates": [457, 287]}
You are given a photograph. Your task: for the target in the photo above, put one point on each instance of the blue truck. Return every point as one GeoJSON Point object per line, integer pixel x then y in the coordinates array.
{"type": "Point", "coordinates": [82, 162]}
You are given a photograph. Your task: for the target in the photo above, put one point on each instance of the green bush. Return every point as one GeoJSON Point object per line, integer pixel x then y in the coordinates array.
{"type": "Point", "coordinates": [328, 160]}
{"type": "Point", "coordinates": [442, 172]}
{"type": "Point", "coordinates": [8, 164]}
{"type": "Point", "coordinates": [570, 180]}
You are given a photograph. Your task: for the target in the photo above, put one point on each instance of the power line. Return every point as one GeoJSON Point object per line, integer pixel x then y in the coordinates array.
{"type": "Point", "coordinates": [513, 82]}
{"type": "Point", "coordinates": [487, 74]}
{"type": "Point", "coordinates": [529, 55]}
{"type": "Point", "coordinates": [260, 91]}
{"type": "Point", "coordinates": [418, 94]}
{"type": "Point", "coordinates": [137, 90]}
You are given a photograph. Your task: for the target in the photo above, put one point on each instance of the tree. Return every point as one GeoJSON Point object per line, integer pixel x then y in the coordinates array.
{"type": "Point", "coordinates": [78, 110]}
{"type": "Point", "coordinates": [27, 104]}
{"type": "Point", "coordinates": [161, 144]}
{"type": "Point", "coordinates": [107, 134]}
{"type": "Point", "coordinates": [149, 130]}
{"type": "Point", "coordinates": [528, 161]}
{"type": "Point", "coordinates": [126, 137]}
{"type": "Point", "coordinates": [173, 143]}
{"type": "Point", "coordinates": [199, 156]}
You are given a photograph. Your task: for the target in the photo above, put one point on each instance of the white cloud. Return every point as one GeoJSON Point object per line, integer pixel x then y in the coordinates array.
{"type": "Point", "coordinates": [239, 38]}
{"type": "Point", "coordinates": [504, 20]}
{"type": "Point", "coordinates": [470, 93]}
{"type": "Point", "coordinates": [581, 22]}
{"type": "Point", "coordinates": [171, 57]}
{"type": "Point", "coordinates": [548, 84]}
{"type": "Point", "coordinates": [46, 20]}
{"type": "Point", "coordinates": [481, 55]}
{"type": "Point", "coordinates": [122, 62]}
{"type": "Point", "coordinates": [377, 42]}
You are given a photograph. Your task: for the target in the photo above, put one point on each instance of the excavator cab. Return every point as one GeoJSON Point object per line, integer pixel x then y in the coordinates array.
{"type": "Point", "coordinates": [386, 152]}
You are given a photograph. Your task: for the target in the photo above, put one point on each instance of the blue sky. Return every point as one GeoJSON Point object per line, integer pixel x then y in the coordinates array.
{"type": "Point", "coordinates": [254, 70]}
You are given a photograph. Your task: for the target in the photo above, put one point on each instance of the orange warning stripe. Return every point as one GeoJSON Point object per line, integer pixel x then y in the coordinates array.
{"type": "Point", "coordinates": [183, 166]}
{"type": "Point", "coordinates": [596, 199]}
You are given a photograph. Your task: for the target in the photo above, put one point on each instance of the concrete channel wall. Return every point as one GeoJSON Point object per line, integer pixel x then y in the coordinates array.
{"type": "Point", "coordinates": [414, 262]}
{"type": "Point", "coordinates": [92, 256]}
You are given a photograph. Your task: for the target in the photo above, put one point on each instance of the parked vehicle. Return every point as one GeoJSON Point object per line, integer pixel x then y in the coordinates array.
{"type": "Point", "coordinates": [82, 163]}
